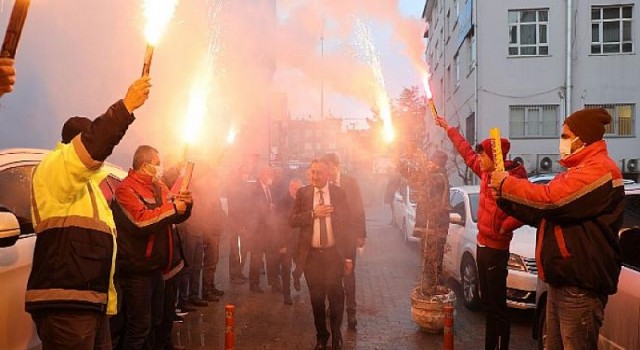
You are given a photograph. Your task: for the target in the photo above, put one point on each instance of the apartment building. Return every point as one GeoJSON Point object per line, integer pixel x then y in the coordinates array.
{"type": "Point", "coordinates": [523, 66]}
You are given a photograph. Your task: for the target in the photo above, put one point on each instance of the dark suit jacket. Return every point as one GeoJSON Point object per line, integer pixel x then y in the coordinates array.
{"type": "Point", "coordinates": [261, 215]}
{"type": "Point", "coordinates": [300, 216]}
{"type": "Point", "coordinates": [356, 225]}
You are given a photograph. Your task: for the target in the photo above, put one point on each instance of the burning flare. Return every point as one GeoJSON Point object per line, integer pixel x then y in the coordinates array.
{"type": "Point", "coordinates": [196, 111]}
{"type": "Point", "coordinates": [427, 90]}
{"type": "Point", "coordinates": [157, 13]}
{"type": "Point", "coordinates": [231, 135]}
{"type": "Point", "coordinates": [371, 57]}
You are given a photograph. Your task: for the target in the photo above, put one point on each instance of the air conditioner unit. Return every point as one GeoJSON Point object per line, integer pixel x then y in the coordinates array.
{"type": "Point", "coordinates": [548, 163]}
{"type": "Point", "coordinates": [527, 160]}
{"type": "Point", "coordinates": [631, 166]}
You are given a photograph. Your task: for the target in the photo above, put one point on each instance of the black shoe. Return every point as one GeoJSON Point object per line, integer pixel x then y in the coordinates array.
{"type": "Point", "coordinates": [185, 307]}
{"type": "Point", "coordinates": [198, 302]}
{"type": "Point", "coordinates": [217, 292]}
{"type": "Point", "coordinates": [352, 322]}
{"type": "Point", "coordinates": [256, 288]}
{"type": "Point", "coordinates": [181, 313]}
{"type": "Point", "coordinates": [287, 299]}
{"type": "Point", "coordinates": [178, 319]}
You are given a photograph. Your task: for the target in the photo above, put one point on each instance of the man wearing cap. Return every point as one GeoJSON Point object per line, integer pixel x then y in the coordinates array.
{"type": "Point", "coordinates": [495, 230]}
{"type": "Point", "coordinates": [578, 215]}
{"type": "Point", "coordinates": [70, 290]}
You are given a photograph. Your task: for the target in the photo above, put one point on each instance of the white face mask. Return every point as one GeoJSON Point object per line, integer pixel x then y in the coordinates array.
{"type": "Point", "coordinates": [158, 171]}
{"type": "Point", "coordinates": [565, 147]}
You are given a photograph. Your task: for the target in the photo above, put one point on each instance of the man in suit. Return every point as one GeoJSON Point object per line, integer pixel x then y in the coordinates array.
{"type": "Point", "coordinates": [261, 228]}
{"type": "Point", "coordinates": [355, 229]}
{"type": "Point", "coordinates": [321, 211]}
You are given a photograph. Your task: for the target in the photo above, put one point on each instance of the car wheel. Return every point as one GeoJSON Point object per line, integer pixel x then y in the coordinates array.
{"type": "Point", "coordinates": [541, 324]}
{"type": "Point", "coordinates": [469, 277]}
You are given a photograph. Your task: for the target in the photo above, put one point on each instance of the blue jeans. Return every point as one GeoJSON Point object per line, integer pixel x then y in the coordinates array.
{"type": "Point", "coordinates": [194, 253]}
{"type": "Point", "coordinates": [574, 317]}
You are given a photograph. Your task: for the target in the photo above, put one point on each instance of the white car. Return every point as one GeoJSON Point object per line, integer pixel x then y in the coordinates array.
{"type": "Point", "coordinates": [460, 253]}
{"type": "Point", "coordinates": [17, 240]}
{"type": "Point", "coordinates": [404, 211]}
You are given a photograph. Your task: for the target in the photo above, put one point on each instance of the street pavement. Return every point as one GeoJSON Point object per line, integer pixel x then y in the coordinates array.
{"type": "Point", "coordinates": [386, 273]}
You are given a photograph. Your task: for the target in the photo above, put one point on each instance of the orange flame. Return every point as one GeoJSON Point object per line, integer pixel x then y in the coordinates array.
{"type": "Point", "coordinates": [157, 13]}
{"type": "Point", "coordinates": [425, 82]}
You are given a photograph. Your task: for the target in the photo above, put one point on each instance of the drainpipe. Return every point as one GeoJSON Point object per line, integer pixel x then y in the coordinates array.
{"type": "Point", "coordinates": [569, 77]}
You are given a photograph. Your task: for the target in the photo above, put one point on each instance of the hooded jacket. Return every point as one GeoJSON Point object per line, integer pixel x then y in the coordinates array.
{"type": "Point", "coordinates": [75, 250]}
{"type": "Point", "coordinates": [495, 227]}
{"type": "Point", "coordinates": [144, 214]}
{"type": "Point", "coordinates": [578, 215]}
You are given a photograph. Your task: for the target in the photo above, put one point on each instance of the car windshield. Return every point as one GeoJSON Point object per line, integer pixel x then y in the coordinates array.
{"type": "Point", "coordinates": [473, 201]}
{"type": "Point", "coordinates": [632, 211]}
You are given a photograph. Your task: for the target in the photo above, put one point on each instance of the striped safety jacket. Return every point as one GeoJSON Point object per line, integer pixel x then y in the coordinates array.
{"type": "Point", "coordinates": [578, 215]}
{"type": "Point", "coordinates": [144, 214]}
{"type": "Point", "coordinates": [75, 250]}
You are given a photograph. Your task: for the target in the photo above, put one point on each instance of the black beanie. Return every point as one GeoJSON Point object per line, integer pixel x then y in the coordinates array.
{"type": "Point", "coordinates": [74, 126]}
{"type": "Point", "coordinates": [588, 124]}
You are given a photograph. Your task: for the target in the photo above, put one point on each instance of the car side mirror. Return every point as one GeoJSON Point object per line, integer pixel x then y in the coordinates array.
{"type": "Point", "coordinates": [456, 218]}
{"type": "Point", "coordinates": [9, 229]}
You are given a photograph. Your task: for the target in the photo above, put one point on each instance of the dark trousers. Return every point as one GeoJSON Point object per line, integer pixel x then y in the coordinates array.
{"type": "Point", "coordinates": [323, 272]}
{"type": "Point", "coordinates": [255, 265]}
{"type": "Point", "coordinates": [492, 273]}
{"type": "Point", "coordinates": [237, 255]}
{"type": "Point", "coordinates": [141, 312]}
{"type": "Point", "coordinates": [72, 329]}
{"type": "Point", "coordinates": [211, 257]}
{"type": "Point", "coordinates": [279, 269]}
{"type": "Point", "coordinates": [163, 333]}
{"type": "Point", "coordinates": [349, 282]}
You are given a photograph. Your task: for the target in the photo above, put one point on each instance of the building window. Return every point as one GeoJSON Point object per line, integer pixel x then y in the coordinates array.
{"type": "Point", "coordinates": [533, 121]}
{"type": "Point", "coordinates": [611, 29]}
{"type": "Point", "coordinates": [528, 32]}
{"type": "Point", "coordinates": [456, 64]}
{"type": "Point", "coordinates": [622, 119]}
{"type": "Point", "coordinates": [472, 52]}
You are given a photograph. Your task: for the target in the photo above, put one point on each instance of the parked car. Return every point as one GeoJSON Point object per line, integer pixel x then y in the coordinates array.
{"type": "Point", "coordinates": [621, 326]}
{"type": "Point", "coordinates": [17, 240]}
{"type": "Point", "coordinates": [460, 253]}
{"type": "Point", "coordinates": [404, 211]}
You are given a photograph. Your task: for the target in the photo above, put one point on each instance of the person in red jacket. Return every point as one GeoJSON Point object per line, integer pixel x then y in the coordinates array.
{"type": "Point", "coordinates": [578, 215]}
{"type": "Point", "coordinates": [144, 211]}
{"type": "Point", "coordinates": [495, 230]}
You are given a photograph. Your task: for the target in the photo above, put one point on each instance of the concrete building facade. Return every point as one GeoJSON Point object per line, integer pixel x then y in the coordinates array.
{"type": "Point", "coordinates": [524, 66]}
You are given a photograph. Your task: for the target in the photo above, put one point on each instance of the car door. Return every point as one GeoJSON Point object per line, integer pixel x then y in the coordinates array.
{"type": "Point", "coordinates": [453, 247]}
{"type": "Point", "coordinates": [17, 330]}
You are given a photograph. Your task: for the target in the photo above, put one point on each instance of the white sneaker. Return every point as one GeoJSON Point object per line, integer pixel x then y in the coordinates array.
{"type": "Point", "coordinates": [181, 313]}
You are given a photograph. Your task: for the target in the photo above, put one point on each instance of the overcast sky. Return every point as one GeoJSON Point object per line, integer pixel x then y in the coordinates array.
{"type": "Point", "coordinates": [78, 57]}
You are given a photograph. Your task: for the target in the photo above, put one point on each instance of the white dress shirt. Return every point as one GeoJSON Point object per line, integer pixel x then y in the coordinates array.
{"type": "Point", "coordinates": [315, 240]}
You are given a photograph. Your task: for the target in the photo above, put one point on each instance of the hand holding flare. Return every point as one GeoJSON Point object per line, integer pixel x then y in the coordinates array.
{"type": "Point", "coordinates": [157, 13]}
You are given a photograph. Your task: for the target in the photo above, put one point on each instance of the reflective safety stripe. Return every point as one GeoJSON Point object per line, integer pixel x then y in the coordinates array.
{"type": "Point", "coordinates": [73, 220]}
{"type": "Point", "coordinates": [94, 204]}
{"type": "Point", "coordinates": [36, 212]}
{"type": "Point", "coordinates": [84, 155]}
{"type": "Point", "coordinates": [39, 295]}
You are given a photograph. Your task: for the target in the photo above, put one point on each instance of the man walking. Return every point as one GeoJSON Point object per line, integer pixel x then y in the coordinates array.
{"type": "Point", "coordinates": [70, 290]}
{"type": "Point", "coordinates": [321, 211]}
{"type": "Point", "coordinates": [578, 215]}
{"type": "Point", "coordinates": [356, 230]}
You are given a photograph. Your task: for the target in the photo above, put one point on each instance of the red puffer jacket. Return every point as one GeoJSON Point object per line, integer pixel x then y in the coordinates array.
{"type": "Point", "coordinates": [495, 227]}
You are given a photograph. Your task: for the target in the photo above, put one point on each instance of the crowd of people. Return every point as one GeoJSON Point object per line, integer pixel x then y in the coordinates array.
{"type": "Point", "coordinates": [108, 275]}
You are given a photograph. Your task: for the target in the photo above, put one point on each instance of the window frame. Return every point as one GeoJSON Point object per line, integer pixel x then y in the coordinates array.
{"type": "Point", "coordinates": [615, 119]}
{"type": "Point", "coordinates": [601, 21]}
{"type": "Point", "coordinates": [538, 24]}
{"type": "Point", "coordinates": [541, 122]}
